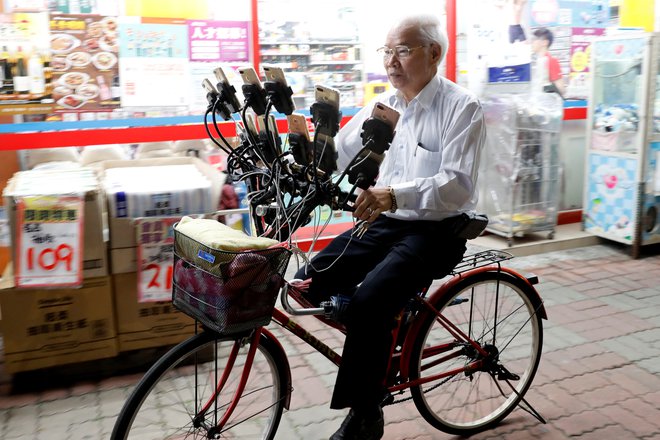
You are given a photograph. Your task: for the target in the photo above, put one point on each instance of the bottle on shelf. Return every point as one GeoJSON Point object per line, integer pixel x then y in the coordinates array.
{"type": "Point", "coordinates": [21, 77]}
{"type": "Point", "coordinates": [48, 71]}
{"type": "Point", "coordinates": [6, 75]}
{"type": "Point", "coordinates": [104, 90]}
{"type": "Point", "coordinates": [115, 88]}
{"type": "Point", "coordinates": [36, 74]}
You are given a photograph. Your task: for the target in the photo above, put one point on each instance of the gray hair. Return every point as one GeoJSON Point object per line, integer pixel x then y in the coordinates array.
{"type": "Point", "coordinates": [430, 31]}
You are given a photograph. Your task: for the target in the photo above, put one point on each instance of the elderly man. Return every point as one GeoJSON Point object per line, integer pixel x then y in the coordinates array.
{"type": "Point", "coordinates": [426, 181]}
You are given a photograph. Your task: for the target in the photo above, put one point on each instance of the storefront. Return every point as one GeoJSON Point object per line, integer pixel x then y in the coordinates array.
{"type": "Point", "coordinates": [128, 74]}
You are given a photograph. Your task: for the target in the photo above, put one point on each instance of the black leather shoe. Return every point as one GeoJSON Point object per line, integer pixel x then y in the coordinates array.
{"type": "Point", "coordinates": [358, 427]}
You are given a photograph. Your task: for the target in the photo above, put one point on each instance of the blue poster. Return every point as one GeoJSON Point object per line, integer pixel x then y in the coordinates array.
{"type": "Point", "coordinates": [572, 13]}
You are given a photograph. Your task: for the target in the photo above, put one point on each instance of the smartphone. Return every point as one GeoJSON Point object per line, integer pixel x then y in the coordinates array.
{"type": "Point", "coordinates": [327, 95]}
{"type": "Point", "coordinates": [209, 87]}
{"type": "Point", "coordinates": [253, 91]}
{"type": "Point", "coordinates": [271, 146]}
{"type": "Point", "coordinates": [272, 124]}
{"type": "Point", "coordinates": [298, 124]}
{"type": "Point", "coordinates": [278, 90]}
{"type": "Point", "coordinates": [249, 125]}
{"type": "Point", "coordinates": [386, 114]}
{"type": "Point", "coordinates": [249, 76]}
{"type": "Point", "coordinates": [227, 89]}
{"type": "Point", "coordinates": [326, 154]}
{"type": "Point", "coordinates": [274, 73]}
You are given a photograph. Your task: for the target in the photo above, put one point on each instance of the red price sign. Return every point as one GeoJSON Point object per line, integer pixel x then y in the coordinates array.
{"type": "Point", "coordinates": [49, 236]}
{"type": "Point", "coordinates": [155, 238]}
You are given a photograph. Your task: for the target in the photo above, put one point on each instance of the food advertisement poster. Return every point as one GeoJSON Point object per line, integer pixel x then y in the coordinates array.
{"type": "Point", "coordinates": [84, 62]}
{"type": "Point", "coordinates": [154, 64]}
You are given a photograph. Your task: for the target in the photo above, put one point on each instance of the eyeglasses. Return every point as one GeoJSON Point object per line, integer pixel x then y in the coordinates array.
{"type": "Point", "coordinates": [399, 51]}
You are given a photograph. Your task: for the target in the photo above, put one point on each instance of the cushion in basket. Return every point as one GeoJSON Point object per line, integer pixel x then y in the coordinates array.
{"type": "Point", "coordinates": [216, 235]}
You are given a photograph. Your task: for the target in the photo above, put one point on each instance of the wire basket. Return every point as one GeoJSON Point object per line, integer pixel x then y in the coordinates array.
{"type": "Point", "coordinates": [228, 292]}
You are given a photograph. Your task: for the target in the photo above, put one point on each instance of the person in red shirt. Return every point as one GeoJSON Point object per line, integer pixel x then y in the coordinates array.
{"type": "Point", "coordinates": [541, 42]}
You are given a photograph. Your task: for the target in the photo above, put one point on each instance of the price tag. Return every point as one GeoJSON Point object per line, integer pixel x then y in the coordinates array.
{"type": "Point", "coordinates": [155, 239]}
{"type": "Point", "coordinates": [49, 236]}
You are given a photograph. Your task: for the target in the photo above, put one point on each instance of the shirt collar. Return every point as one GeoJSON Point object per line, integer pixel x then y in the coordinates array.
{"type": "Point", "coordinates": [424, 98]}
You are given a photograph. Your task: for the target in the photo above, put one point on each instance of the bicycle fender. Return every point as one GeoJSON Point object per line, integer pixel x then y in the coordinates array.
{"type": "Point", "coordinates": [281, 358]}
{"type": "Point", "coordinates": [411, 337]}
{"type": "Point", "coordinates": [433, 297]}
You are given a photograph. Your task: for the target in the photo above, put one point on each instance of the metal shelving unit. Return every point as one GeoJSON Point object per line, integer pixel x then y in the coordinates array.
{"type": "Point", "coordinates": [520, 170]}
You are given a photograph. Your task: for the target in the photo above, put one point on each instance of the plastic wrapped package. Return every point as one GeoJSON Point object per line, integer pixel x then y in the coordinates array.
{"type": "Point", "coordinates": [166, 190]}
{"type": "Point", "coordinates": [520, 170]}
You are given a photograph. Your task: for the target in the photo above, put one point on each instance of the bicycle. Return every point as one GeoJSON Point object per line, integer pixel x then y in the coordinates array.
{"type": "Point", "coordinates": [466, 352]}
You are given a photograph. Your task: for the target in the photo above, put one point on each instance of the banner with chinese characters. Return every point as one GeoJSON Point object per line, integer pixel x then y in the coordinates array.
{"type": "Point", "coordinates": [49, 237]}
{"type": "Point", "coordinates": [155, 241]}
{"type": "Point", "coordinates": [219, 41]}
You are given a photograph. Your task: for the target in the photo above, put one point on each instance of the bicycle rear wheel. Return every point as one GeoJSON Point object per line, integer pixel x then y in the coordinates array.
{"type": "Point", "coordinates": [501, 313]}
{"type": "Point", "coordinates": [166, 402]}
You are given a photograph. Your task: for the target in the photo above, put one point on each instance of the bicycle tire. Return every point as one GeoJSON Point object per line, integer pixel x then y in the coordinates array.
{"type": "Point", "coordinates": [470, 402]}
{"type": "Point", "coordinates": [163, 404]}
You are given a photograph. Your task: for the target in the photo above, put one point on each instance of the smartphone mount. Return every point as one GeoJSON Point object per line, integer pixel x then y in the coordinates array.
{"type": "Point", "coordinates": [376, 135]}
{"type": "Point", "coordinates": [325, 118]}
{"type": "Point", "coordinates": [255, 97]}
{"type": "Point", "coordinates": [217, 105]}
{"type": "Point", "coordinates": [280, 96]}
{"type": "Point", "coordinates": [228, 96]}
{"type": "Point", "coordinates": [299, 148]}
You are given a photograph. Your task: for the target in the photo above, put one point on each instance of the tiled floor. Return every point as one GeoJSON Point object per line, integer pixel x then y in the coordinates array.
{"type": "Point", "coordinates": [599, 376]}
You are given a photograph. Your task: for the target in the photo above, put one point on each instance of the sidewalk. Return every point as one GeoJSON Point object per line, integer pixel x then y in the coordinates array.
{"type": "Point", "coordinates": [599, 377]}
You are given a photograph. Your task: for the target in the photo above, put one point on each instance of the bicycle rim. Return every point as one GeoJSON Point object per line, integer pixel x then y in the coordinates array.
{"type": "Point", "coordinates": [166, 401]}
{"type": "Point", "coordinates": [498, 311]}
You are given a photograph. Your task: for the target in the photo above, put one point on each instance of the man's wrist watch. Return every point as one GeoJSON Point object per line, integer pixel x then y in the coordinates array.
{"type": "Point", "coordinates": [394, 206]}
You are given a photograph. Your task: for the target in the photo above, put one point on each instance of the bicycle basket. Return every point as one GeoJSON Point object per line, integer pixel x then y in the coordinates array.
{"type": "Point", "coordinates": [226, 291]}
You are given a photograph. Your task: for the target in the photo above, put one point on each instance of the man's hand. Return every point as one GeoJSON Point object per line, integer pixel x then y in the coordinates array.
{"type": "Point", "coordinates": [371, 202]}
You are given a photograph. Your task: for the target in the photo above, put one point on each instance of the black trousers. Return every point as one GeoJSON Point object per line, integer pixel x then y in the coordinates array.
{"type": "Point", "coordinates": [394, 260]}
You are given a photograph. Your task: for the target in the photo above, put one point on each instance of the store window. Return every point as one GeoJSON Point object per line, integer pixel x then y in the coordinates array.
{"type": "Point", "coordinates": [85, 61]}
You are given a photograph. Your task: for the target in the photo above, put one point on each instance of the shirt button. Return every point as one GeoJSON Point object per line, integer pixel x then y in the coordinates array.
{"type": "Point", "coordinates": [401, 147]}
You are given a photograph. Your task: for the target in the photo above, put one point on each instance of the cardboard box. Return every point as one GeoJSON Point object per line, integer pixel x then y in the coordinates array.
{"type": "Point", "coordinates": [95, 258]}
{"type": "Point", "coordinates": [123, 260]}
{"type": "Point", "coordinates": [49, 327]}
{"type": "Point", "coordinates": [122, 230]}
{"type": "Point", "coordinates": [150, 324]}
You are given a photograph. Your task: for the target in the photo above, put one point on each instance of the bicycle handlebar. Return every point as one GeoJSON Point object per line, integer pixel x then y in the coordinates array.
{"type": "Point", "coordinates": [282, 193]}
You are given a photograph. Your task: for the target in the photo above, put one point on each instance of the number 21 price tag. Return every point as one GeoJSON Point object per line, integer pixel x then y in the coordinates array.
{"type": "Point", "coordinates": [49, 236]}
{"type": "Point", "coordinates": [155, 239]}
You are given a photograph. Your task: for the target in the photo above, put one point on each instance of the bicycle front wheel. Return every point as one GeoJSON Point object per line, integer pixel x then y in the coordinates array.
{"type": "Point", "coordinates": [502, 314]}
{"type": "Point", "coordinates": [167, 402]}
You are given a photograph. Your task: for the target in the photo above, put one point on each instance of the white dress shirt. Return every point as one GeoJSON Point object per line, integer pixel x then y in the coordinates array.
{"type": "Point", "coordinates": [433, 160]}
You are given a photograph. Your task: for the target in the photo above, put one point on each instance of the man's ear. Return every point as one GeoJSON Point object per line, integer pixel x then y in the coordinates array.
{"type": "Point", "coordinates": [436, 52]}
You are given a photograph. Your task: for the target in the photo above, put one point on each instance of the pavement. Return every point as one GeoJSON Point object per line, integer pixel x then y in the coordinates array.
{"type": "Point", "coordinates": [599, 376]}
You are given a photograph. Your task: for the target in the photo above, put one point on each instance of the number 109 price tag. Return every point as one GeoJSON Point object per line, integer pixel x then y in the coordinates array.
{"type": "Point", "coordinates": [49, 236]}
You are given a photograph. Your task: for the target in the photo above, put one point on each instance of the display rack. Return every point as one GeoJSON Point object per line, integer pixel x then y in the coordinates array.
{"type": "Point", "coordinates": [337, 64]}
{"type": "Point", "coordinates": [622, 176]}
{"type": "Point", "coordinates": [520, 165]}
